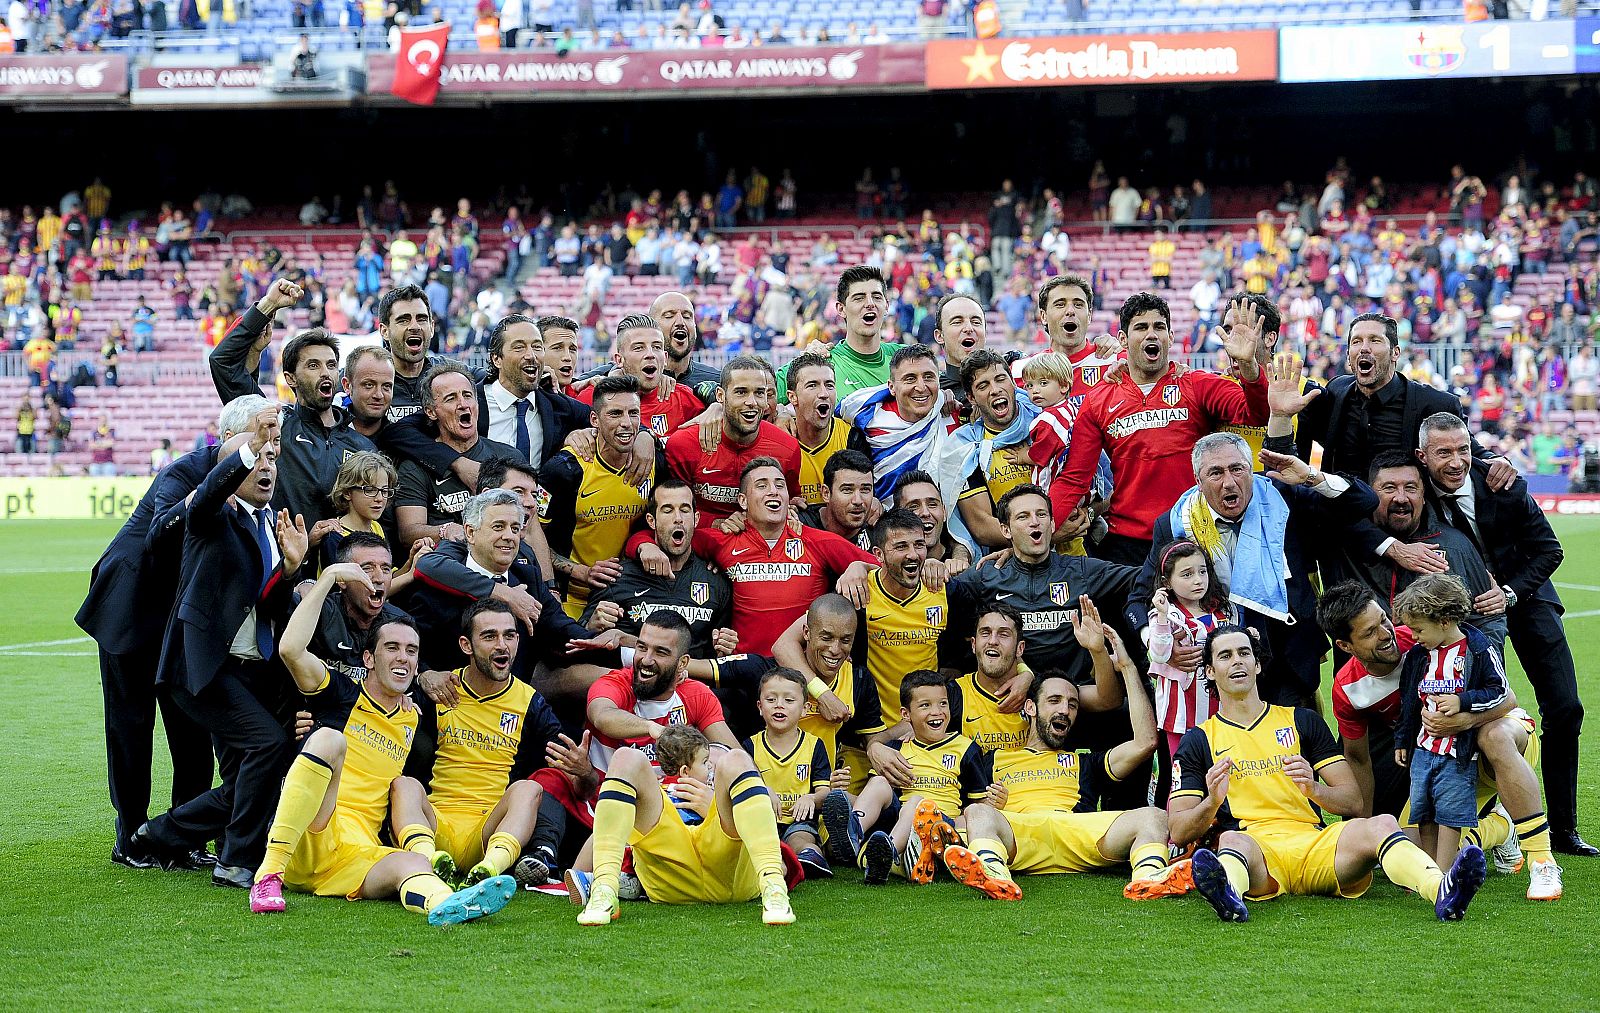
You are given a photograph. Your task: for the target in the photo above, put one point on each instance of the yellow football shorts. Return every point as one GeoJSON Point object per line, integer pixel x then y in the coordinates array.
{"type": "Point", "coordinates": [1060, 841]}
{"type": "Point", "coordinates": [335, 861]}
{"type": "Point", "coordinates": [860, 767]}
{"type": "Point", "coordinates": [1300, 860]}
{"type": "Point", "coordinates": [460, 832]}
{"type": "Point", "coordinates": [680, 864]}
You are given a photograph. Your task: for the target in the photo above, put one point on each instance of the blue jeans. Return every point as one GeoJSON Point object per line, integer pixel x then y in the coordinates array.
{"type": "Point", "coordinates": [1443, 790]}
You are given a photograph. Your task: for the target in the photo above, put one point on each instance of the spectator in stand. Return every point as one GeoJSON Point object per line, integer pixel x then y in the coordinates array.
{"type": "Point", "coordinates": [27, 422]}
{"type": "Point", "coordinates": [160, 456]}
{"type": "Point", "coordinates": [866, 195]}
{"type": "Point", "coordinates": [180, 233]}
{"type": "Point", "coordinates": [102, 449]}
{"type": "Point", "coordinates": [1016, 305]}
{"type": "Point", "coordinates": [1199, 206]}
{"type": "Point", "coordinates": [38, 353]}
{"type": "Point", "coordinates": [312, 212]}
{"type": "Point", "coordinates": [1583, 378]}
{"type": "Point", "coordinates": [1124, 204]}
{"type": "Point", "coordinates": [1003, 229]}
{"type": "Point", "coordinates": [58, 424]}
{"type": "Point", "coordinates": [787, 196]}
{"type": "Point", "coordinates": [304, 68]}
{"type": "Point", "coordinates": [1206, 295]}
{"type": "Point", "coordinates": [729, 200]}
{"type": "Point", "coordinates": [757, 188]}
{"type": "Point", "coordinates": [1162, 250]}
{"type": "Point", "coordinates": [1099, 187]}
{"type": "Point", "coordinates": [144, 327]}
{"type": "Point", "coordinates": [1491, 404]}
{"type": "Point", "coordinates": [402, 259]}
{"type": "Point", "coordinates": [110, 350]}
{"type": "Point", "coordinates": [1506, 315]}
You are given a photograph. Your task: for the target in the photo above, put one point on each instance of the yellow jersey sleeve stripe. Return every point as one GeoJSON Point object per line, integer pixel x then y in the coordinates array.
{"type": "Point", "coordinates": [1330, 760]}
{"type": "Point", "coordinates": [1180, 793]}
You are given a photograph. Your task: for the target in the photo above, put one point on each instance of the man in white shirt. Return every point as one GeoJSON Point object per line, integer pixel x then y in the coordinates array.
{"type": "Point", "coordinates": [1505, 315]}
{"type": "Point", "coordinates": [516, 350]}
{"type": "Point", "coordinates": [1205, 295]}
{"type": "Point", "coordinates": [1124, 204]}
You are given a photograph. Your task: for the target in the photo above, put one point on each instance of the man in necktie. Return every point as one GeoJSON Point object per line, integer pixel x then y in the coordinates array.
{"type": "Point", "coordinates": [218, 659]}
{"type": "Point", "coordinates": [1522, 552]}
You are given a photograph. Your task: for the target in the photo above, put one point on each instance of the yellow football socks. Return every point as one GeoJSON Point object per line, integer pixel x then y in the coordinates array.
{"type": "Point", "coordinates": [993, 856]}
{"type": "Point", "coordinates": [1409, 866]}
{"type": "Point", "coordinates": [1148, 860]}
{"type": "Point", "coordinates": [418, 837]}
{"type": "Point", "coordinates": [304, 789]}
{"type": "Point", "coordinates": [1533, 832]}
{"type": "Point", "coordinates": [613, 821]}
{"type": "Point", "coordinates": [503, 849]}
{"type": "Point", "coordinates": [1493, 830]}
{"type": "Point", "coordinates": [753, 818]}
{"type": "Point", "coordinates": [422, 892]}
{"type": "Point", "coordinates": [1237, 868]}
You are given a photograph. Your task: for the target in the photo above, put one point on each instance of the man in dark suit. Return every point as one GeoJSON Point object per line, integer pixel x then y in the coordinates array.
{"type": "Point", "coordinates": [1512, 534]}
{"type": "Point", "coordinates": [217, 660]}
{"type": "Point", "coordinates": [1373, 408]}
{"type": "Point", "coordinates": [1240, 507]}
{"type": "Point", "coordinates": [131, 591]}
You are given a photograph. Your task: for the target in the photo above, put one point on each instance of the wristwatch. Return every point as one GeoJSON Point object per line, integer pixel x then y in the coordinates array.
{"type": "Point", "coordinates": [1511, 597]}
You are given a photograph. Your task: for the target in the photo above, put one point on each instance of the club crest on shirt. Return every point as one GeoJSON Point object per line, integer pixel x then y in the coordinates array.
{"type": "Point", "coordinates": [1067, 760]}
{"type": "Point", "coordinates": [1058, 592]}
{"type": "Point", "coordinates": [949, 761]}
{"type": "Point", "coordinates": [936, 615]}
{"type": "Point", "coordinates": [407, 730]}
{"type": "Point", "coordinates": [678, 716]}
{"type": "Point", "coordinates": [1285, 737]}
{"type": "Point", "coordinates": [1460, 664]}
{"type": "Point", "coordinates": [699, 592]}
{"type": "Point", "coordinates": [1170, 394]}
{"type": "Point", "coordinates": [793, 548]}
{"type": "Point", "coordinates": [802, 771]}
{"type": "Point", "coordinates": [658, 425]}
{"type": "Point", "coordinates": [1091, 375]}
{"type": "Point", "coordinates": [508, 722]}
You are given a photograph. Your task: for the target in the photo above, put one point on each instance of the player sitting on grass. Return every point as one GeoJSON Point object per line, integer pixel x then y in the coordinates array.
{"type": "Point", "coordinates": [473, 758]}
{"type": "Point", "coordinates": [947, 772]}
{"type": "Point", "coordinates": [794, 766]}
{"type": "Point", "coordinates": [324, 835]}
{"type": "Point", "coordinates": [1263, 774]}
{"type": "Point", "coordinates": [1041, 828]}
{"type": "Point", "coordinates": [733, 856]}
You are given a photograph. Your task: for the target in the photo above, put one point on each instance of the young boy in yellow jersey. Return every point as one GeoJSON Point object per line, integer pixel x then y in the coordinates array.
{"type": "Point", "coordinates": [794, 765]}
{"type": "Point", "coordinates": [1264, 774]}
{"type": "Point", "coordinates": [914, 824]}
{"type": "Point", "coordinates": [975, 697]}
{"type": "Point", "coordinates": [1048, 822]}
{"type": "Point", "coordinates": [473, 757]}
{"type": "Point", "coordinates": [324, 834]}
{"type": "Point", "coordinates": [820, 432]}
{"type": "Point", "coordinates": [591, 506]}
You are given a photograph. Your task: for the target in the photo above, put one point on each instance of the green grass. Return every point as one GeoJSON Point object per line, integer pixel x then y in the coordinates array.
{"type": "Point", "coordinates": [80, 932]}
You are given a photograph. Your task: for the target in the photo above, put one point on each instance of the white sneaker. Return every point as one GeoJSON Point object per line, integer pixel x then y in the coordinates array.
{"type": "Point", "coordinates": [1545, 881]}
{"type": "Point", "coordinates": [1507, 856]}
{"type": "Point", "coordinates": [775, 909]}
{"type": "Point", "coordinates": [629, 887]}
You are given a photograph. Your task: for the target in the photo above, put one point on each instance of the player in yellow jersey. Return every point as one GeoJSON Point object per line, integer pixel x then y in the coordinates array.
{"type": "Point", "coordinates": [1260, 314]}
{"type": "Point", "coordinates": [914, 824]}
{"type": "Point", "coordinates": [324, 834]}
{"type": "Point", "coordinates": [820, 432]}
{"type": "Point", "coordinates": [975, 698]}
{"type": "Point", "coordinates": [1047, 822]}
{"type": "Point", "coordinates": [903, 617]}
{"type": "Point", "coordinates": [731, 857]}
{"type": "Point", "coordinates": [474, 756]}
{"type": "Point", "coordinates": [794, 766]}
{"type": "Point", "coordinates": [1263, 775]}
{"type": "Point", "coordinates": [591, 505]}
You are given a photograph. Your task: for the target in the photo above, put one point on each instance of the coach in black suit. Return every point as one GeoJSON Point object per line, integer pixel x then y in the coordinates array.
{"type": "Point", "coordinates": [218, 662]}
{"type": "Point", "coordinates": [1373, 408]}
{"type": "Point", "coordinates": [1512, 534]}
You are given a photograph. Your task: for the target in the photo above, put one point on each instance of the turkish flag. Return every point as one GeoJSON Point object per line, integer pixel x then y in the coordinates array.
{"type": "Point", "coordinates": [417, 64]}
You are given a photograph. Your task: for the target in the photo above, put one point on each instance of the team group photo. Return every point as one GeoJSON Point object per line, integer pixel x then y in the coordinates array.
{"type": "Point", "coordinates": [688, 557]}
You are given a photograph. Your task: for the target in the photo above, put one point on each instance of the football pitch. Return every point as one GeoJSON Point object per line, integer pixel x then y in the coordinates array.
{"type": "Point", "coordinates": [82, 933]}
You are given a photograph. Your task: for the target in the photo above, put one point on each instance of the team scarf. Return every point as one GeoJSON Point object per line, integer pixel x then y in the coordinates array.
{"type": "Point", "coordinates": [1257, 578]}
{"type": "Point", "coordinates": [971, 448]}
{"type": "Point", "coordinates": [898, 446]}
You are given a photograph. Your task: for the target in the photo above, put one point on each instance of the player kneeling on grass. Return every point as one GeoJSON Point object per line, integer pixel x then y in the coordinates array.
{"type": "Point", "coordinates": [794, 766]}
{"type": "Point", "coordinates": [947, 772]}
{"type": "Point", "coordinates": [324, 835]}
{"type": "Point", "coordinates": [1039, 830]}
{"type": "Point", "coordinates": [1253, 770]}
{"type": "Point", "coordinates": [473, 756]}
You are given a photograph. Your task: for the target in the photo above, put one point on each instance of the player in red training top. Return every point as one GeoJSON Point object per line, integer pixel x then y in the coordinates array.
{"type": "Point", "coordinates": [777, 571]}
{"type": "Point", "coordinates": [640, 350]}
{"type": "Point", "coordinates": [1148, 421]}
{"type": "Point", "coordinates": [633, 707]}
{"type": "Point", "coordinates": [748, 387]}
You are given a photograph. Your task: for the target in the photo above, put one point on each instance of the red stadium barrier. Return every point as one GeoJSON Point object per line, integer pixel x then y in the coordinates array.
{"type": "Point", "coordinates": [1570, 504]}
{"type": "Point", "coordinates": [63, 76]}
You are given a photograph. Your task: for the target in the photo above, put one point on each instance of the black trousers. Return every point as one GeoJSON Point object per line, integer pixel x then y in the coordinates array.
{"type": "Point", "coordinates": [1541, 644]}
{"type": "Point", "coordinates": [253, 753]}
{"type": "Point", "coordinates": [1122, 549]}
{"type": "Point", "coordinates": [128, 682]}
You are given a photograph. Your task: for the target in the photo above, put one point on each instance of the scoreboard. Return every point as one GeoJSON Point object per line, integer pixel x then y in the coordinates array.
{"type": "Point", "coordinates": [1420, 51]}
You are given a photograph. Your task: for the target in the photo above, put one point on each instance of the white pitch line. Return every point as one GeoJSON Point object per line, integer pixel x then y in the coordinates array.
{"type": "Point", "coordinates": [19, 571]}
{"type": "Point", "coordinates": [1582, 615]}
{"type": "Point", "coordinates": [44, 643]}
{"type": "Point", "coordinates": [1576, 587]}
{"type": "Point", "coordinates": [46, 654]}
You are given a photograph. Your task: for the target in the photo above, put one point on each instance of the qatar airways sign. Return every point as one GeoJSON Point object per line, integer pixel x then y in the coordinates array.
{"type": "Point", "coordinates": [201, 78]}
{"type": "Point", "coordinates": [531, 73]}
{"type": "Point", "coordinates": [62, 75]}
{"type": "Point", "coordinates": [1103, 59]}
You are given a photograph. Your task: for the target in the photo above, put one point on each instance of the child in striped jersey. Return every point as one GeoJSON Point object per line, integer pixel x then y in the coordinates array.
{"type": "Point", "coordinates": [1047, 378]}
{"type": "Point", "coordinates": [1189, 603]}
